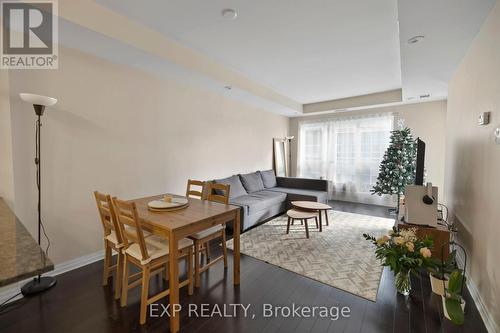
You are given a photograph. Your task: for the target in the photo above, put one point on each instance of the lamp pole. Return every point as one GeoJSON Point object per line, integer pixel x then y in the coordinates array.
{"type": "Point", "coordinates": [39, 283]}
{"type": "Point", "coordinates": [289, 166]}
{"type": "Point", "coordinates": [39, 111]}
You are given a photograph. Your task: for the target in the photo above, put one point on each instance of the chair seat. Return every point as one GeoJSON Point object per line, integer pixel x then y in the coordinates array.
{"type": "Point", "coordinates": [159, 241]}
{"type": "Point", "coordinates": [157, 247]}
{"type": "Point", "coordinates": [113, 239]}
{"type": "Point", "coordinates": [207, 232]}
{"type": "Point", "coordinates": [131, 230]}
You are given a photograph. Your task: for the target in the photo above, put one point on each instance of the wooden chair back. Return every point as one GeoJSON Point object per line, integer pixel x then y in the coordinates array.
{"type": "Point", "coordinates": [213, 192]}
{"type": "Point", "coordinates": [108, 215]}
{"type": "Point", "coordinates": [190, 192]}
{"type": "Point", "coordinates": [128, 218]}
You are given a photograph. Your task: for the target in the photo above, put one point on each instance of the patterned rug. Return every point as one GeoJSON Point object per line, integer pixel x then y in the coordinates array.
{"type": "Point", "coordinates": [338, 256]}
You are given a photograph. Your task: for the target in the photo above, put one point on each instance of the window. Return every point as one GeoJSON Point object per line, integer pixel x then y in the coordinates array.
{"type": "Point", "coordinates": [346, 151]}
{"type": "Point", "coordinates": [313, 151]}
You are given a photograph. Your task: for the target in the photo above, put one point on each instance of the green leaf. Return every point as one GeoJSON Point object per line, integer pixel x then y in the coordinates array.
{"type": "Point", "coordinates": [455, 282]}
{"type": "Point", "coordinates": [455, 311]}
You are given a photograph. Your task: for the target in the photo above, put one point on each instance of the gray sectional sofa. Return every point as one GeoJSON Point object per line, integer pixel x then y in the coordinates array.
{"type": "Point", "coordinates": [261, 195]}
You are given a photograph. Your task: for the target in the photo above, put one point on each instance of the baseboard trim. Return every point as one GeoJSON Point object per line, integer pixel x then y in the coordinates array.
{"type": "Point", "coordinates": [77, 263]}
{"type": "Point", "coordinates": [13, 289]}
{"type": "Point", "coordinates": [489, 322]}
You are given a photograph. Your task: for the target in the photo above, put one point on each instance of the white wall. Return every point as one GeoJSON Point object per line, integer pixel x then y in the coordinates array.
{"type": "Point", "coordinates": [118, 130]}
{"type": "Point", "coordinates": [473, 163]}
{"type": "Point", "coordinates": [426, 120]}
{"type": "Point", "coordinates": [6, 163]}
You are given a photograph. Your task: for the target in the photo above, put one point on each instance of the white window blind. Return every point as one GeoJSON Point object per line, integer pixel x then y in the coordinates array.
{"type": "Point", "coordinates": [347, 151]}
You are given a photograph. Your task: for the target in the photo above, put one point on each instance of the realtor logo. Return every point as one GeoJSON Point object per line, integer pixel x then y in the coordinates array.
{"type": "Point", "coordinates": [29, 35]}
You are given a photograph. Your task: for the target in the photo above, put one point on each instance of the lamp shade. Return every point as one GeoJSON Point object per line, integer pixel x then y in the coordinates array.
{"type": "Point", "coordinates": [38, 99]}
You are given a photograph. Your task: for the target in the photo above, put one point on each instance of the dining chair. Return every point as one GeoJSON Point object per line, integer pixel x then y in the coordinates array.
{"type": "Point", "coordinates": [150, 255]}
{"type": "Point", "coordinates": [195, 189]}
{"type": "Point", "coordinates": [217, 193]}
{"type": "Point", "coordinates": [113, 241]}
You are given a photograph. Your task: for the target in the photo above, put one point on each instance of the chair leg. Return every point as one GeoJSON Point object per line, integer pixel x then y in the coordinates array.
{"type": "Point", "coordinates": [190, 271]}
{"type": "Point", "coordinates": [196, 264]}
{"type": "Point", "coordinates": [288, 225]}
{"type": "Point", "coordinates": [107, 263]}
{"type": "Point", "coordinates": [123, 300]}
{"type": "Point", "coordinates": [207, 250]}
{"type": "Point", "coordinates": [118, 274]}
{"type": "Point", "coordinates": [165, 277]}
{"type": "Point", "coordinates": [144, 294]}
{"type": "Point", "coordinates": [307, 228]}
{"type": "Point", "coordinates": [224, 247]}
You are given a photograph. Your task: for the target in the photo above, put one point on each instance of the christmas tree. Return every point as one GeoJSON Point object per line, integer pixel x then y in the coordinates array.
{"type": "Point", "coordinates": [398, 165]}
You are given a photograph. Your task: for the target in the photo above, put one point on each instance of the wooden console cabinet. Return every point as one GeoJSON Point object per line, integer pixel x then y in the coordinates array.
{"type": "Point", "coordinates": [440, 236]}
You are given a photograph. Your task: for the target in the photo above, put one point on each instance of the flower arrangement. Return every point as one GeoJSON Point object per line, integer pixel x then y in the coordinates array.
{"type": "Point", "coordinates": [404, 253]}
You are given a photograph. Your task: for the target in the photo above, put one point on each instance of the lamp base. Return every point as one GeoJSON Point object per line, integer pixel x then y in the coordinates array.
{"type": "Point", "coordinates": [37, 285]}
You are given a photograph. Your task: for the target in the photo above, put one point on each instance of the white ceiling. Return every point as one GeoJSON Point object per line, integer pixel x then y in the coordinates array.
{"type": "Point", "coordinates": [309, 51]}
{"type": "Point", "coordinates": [449, 26]}
{"type": "Point", "coordinates": [75, 36]}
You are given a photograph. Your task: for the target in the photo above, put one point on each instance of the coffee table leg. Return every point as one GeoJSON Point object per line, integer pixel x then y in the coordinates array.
{"type": "Point", "coordinates": [326, 216]}
{"type": "Point", "coordinates": [288, 225]}
{"type": "Point", "coordinates": [320, 222]}
{"type": "Point", "coordinates": [307, 228]}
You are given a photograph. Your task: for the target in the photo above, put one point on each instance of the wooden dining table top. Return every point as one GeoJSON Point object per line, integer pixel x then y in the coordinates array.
{"type": "Point", "coordinates": [197, 211]}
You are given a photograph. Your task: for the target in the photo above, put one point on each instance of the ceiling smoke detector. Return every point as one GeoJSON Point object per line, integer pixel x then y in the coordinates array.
{"type": "Point", "coordinates": [415, 39]}
{"type": "Point", "coordinates": [229, 14]}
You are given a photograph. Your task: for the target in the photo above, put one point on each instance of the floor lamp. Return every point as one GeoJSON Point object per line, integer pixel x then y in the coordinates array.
{"type": "Point", "coordinates": [39, 283]}
{"type": "Point", "coordinates": [289, 139]}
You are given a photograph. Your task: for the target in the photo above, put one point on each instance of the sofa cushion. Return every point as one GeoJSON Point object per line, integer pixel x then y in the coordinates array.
{"type": "Point", "coordinates": [268, 178]}
{"type": "Point", "coordinates": [236, 188]}
{"type": "Point", "coordinates": [271, 196]}
{"type": "Point", "coordinates": [259, 201]}
{"type": "Point", "coordinates": [252, 182]}
{"type": "Point", "coordinates": [295, 194]}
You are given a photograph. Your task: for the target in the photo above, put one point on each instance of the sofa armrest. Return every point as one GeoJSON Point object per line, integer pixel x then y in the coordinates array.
{"type": "Point", "coordinates": [303, 183]}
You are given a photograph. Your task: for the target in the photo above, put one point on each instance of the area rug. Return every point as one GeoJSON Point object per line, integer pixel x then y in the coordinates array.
{"type": "Point", "coordinates": [339, 256]}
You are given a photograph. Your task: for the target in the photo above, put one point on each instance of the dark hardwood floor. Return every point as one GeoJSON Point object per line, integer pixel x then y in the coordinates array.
{"type": "Point", "coordinates": [78, 303]}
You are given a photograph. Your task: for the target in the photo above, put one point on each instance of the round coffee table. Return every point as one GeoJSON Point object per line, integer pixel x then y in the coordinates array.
{"type": "Point", "coordinates": [303, 216]}
{"type": "Point", "coordinates": [313, 206]}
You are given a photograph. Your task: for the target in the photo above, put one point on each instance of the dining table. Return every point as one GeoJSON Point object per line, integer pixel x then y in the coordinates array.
{"type": "Point", "coordinates": [174, 225]}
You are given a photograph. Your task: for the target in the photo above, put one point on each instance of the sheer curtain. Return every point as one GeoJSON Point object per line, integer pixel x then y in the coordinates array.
{"type": "Point", "coordinates": [346, 151]}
